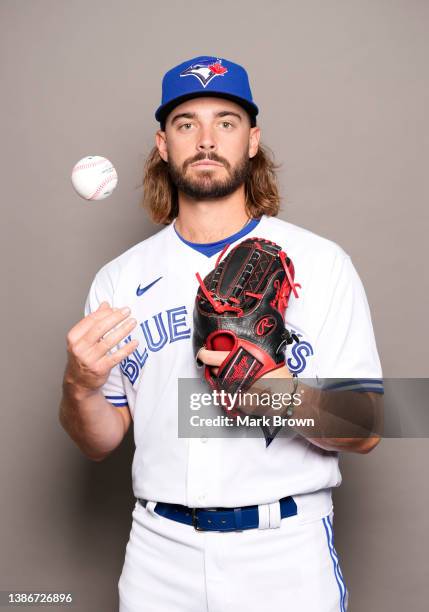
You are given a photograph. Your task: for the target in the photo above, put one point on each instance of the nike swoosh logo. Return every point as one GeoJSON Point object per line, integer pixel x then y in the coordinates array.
{"type": "Point", "coordinates": [141, 290]}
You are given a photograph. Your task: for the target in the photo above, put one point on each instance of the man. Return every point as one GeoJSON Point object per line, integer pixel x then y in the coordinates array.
{"type": "Point", "coordinates": [211, 182]}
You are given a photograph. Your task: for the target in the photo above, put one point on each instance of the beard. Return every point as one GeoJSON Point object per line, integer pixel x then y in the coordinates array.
{"type": "Point", "coordinates": [205, 187]}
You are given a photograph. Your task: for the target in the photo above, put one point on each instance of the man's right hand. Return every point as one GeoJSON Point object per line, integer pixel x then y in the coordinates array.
{"type": "Point", "coordinates": [88, 344]}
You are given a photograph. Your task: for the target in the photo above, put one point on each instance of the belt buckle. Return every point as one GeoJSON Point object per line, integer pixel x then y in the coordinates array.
{"type": "Point", "coordinates": [195, 521]}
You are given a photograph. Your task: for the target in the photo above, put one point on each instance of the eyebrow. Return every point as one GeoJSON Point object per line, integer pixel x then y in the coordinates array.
{"type": "Point", "coordinates": [224, 113]}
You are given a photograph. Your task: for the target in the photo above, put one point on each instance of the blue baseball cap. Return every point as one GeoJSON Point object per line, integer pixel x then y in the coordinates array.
{"type": "Point", "coordinates": [206, 76]}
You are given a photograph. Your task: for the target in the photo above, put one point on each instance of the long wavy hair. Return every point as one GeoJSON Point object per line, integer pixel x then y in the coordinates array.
{"type": "Point", "coordinates": [261, 188]}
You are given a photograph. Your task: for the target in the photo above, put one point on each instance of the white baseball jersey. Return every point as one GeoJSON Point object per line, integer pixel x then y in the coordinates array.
{"type": "Point", "coordinates": [156, 279]}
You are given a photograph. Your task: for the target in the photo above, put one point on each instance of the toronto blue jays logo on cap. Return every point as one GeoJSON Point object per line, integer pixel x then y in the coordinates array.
{"type": "Point", "coordinates": [205, 71]}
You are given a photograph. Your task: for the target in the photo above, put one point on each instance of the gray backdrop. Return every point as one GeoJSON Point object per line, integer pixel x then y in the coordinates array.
{"type": "Point", "coordinates": [343, 93]}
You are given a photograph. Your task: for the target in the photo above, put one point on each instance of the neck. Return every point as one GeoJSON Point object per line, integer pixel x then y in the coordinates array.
{"type": "Point", "coordinates": [211, 220]}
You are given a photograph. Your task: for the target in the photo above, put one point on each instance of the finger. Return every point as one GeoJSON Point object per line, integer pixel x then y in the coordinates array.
{"type": "Point", "coordinates": [101, 326]}
{"type": "Point", "coordinates": [111, 339]}
{"type": "Point", "coordinates": [81, 328]}
{"type": "Point", "coordinates": [112, 359]}
{"type": "Point", "coordinates": [212, 358]}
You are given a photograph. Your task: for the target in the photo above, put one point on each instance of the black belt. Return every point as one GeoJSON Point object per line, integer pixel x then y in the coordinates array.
{"type": "Point", "coordinates": [219, 519]}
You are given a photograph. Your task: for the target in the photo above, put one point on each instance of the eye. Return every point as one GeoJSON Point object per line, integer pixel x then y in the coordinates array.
{"type": "Point", "coordinates": [226, 124]}
{"type": "Point", "coordinates": [185, 125]}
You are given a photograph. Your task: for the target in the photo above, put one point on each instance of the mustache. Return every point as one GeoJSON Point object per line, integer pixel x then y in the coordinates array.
{"type": "Point", "coordinates": [208, 156]}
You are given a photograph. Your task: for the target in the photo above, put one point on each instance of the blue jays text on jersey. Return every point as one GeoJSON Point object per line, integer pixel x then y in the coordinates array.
{"type": "Point", "coordinates": [165, 327]}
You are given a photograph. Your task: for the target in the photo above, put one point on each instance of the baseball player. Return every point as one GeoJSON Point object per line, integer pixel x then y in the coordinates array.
{"type": "Point", "coordinates": [219, 524]}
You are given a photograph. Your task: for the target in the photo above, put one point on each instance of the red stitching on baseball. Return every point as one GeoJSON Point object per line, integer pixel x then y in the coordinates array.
{"type": "Point", "coordinates": [103, 184]}
{"type": "Point", "coordinates": [89, 165]}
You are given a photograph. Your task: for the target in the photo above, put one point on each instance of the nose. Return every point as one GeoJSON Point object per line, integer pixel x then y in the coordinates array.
{"type": "Point", "coordinates": [206, 142]}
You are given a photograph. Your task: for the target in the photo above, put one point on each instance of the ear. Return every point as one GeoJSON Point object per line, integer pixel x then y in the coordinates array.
{"type": "Point", "coordinates": [161, 143]}
{"type": "Point", "coordinates": [254, 137]}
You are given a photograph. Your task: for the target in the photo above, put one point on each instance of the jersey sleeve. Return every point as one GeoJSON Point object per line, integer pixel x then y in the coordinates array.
{"type": "Point", "coordinates": [102, 290]}
{"type": "Point", "coordinates": [346, 346]}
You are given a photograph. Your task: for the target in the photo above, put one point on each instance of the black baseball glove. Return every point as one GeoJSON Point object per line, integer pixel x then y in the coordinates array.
{"type": "Point", "coordinates": [240, 308]}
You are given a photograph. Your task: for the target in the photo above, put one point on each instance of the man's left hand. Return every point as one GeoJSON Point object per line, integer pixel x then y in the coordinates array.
{"type": "Point", "coordinates": [214, 360]}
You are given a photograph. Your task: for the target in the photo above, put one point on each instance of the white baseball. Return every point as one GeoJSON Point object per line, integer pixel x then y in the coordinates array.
{"type": "Point", "coordinates": [94, 177]}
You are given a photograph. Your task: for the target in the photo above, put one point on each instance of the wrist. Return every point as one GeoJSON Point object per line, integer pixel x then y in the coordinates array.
{"type": "Point", "coordinates": [77, 392]}
{"type": "Point", "coordinates": [289, 412]}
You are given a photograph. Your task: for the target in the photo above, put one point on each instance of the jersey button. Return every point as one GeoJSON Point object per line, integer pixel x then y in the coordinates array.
{"type": "Point", "coordinates": [204, 440]}
{"type": "Point", "coordinates": [201, 497]}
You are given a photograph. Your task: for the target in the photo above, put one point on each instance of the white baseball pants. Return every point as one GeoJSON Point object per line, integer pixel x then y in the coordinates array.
{"type": "Point", "coordinates": [170, 567]}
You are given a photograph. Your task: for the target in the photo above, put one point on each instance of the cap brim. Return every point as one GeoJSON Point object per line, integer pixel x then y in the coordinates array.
{"type": "Point", "coordinates": [164, 110]}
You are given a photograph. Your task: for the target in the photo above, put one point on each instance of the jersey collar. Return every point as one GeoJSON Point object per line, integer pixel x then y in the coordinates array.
{"type": "Point", "coordinates": [211, 248]}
